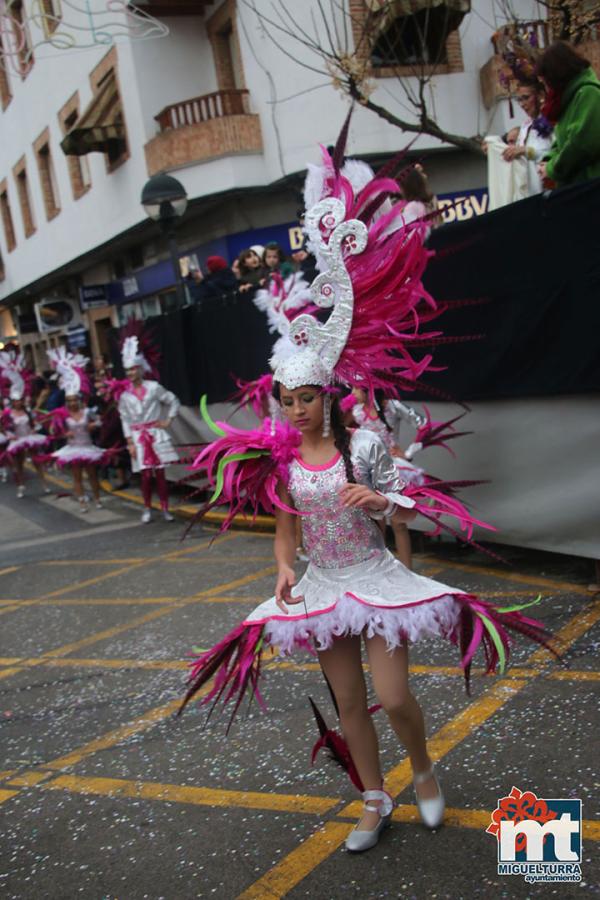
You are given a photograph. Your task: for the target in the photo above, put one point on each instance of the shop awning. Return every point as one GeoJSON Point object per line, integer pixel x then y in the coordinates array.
{"type": "Point", "coordinates": [100, 127]}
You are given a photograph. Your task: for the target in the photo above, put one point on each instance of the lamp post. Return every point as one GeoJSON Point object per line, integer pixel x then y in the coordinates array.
{"type": "Point", "coordinates": [165, 201]}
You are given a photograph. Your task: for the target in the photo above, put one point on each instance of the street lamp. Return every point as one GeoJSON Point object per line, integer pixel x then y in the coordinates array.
{"type": "Point", "coordinates": [165, 201]}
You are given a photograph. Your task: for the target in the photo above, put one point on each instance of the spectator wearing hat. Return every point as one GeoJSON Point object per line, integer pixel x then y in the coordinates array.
{"type": "Point", "coordinates": [218, 282]}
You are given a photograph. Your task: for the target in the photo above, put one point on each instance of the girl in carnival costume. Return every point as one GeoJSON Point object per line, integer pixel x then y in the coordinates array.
{"type": "Point", "coordinates": [384, 416]}
{"type": "Point", "coordinates": [142, 405]}
{"type": "Point", "coordinates": [19, 422]}
{"type": "Point", "coordinates": [342, 484]}
{"type": "Point", "coordinates": [76, 422]}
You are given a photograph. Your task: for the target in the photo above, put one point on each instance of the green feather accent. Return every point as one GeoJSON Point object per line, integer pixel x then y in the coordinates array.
{"type": "Point", "coordinates": [235, 457]}
{"type": "Point", "coordinates": [493, 633]}
{"type": "Point", "coordinates": [258, 647]}
{"type": "Point", "coordinates": [205, 415]}
{"type": "Point", "coordinates": [518, 607]}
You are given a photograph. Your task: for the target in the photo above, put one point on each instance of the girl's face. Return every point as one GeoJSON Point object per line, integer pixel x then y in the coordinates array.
{"type": "Point", "coordinates": [134, 373]}
{"type": "Point", "coordinates": [252, 261]}
{"type": "Point", "coordinates": [73, 404]}
{"type": "Point", "coordinates": [361, 396]}
{"type": "Point", "coordinates": [303, 408]}
{"type": "Point", "coordinates": [18, 405]}
{"type": "Point", "coordinates": [271, 259]}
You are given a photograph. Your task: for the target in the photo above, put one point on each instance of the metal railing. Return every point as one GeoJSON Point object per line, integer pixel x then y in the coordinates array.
{"type": "Point", "coordinates": [201, 109]}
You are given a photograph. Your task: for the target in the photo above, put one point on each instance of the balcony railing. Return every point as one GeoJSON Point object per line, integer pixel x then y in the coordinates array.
{"type": "Point", "coordinates": [203, 109]}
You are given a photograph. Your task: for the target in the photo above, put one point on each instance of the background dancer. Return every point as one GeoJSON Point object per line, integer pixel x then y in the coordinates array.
{"type": "Point", "coordinates": [141, 407]}
{"type": "Point", "coordinates": [76, 422]}
{"type": "Point", "coordinates": [18, 421]}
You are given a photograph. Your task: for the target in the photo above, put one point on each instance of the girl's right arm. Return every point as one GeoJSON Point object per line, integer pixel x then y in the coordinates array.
{"type": "Point", "coordinates": [285, 551]}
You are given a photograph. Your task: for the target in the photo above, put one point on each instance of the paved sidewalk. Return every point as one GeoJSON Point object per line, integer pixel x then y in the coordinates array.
{"type": "Point", "coordinates": [104, 793]}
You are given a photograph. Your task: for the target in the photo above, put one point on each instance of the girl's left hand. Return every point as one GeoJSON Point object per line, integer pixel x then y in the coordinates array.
{"type": "Point", "coordinates": [361, 497]}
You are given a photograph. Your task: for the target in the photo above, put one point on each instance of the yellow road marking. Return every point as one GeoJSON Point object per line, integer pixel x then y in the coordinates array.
{"type": "Point", "coordinates": [119, 663]}
{"type": "Point", "coordinates": [29, 779]}
{"type": "Point", "coordinates": [133, 623]}
{"type": "Point", "coordinates": [507, 575]}
{"type": "Point", "coordinates": [94, 562]}
{"type": "Point", "coordinates": [6, 795]}
{"type": "Point", "coordinates": [15, 606]}
{"type": "Point", "coordinates": [283, 877]}
{"type": "Point", "coordinates": [9, 569]}
{"type": "Point", "coordinates": [572, 631]}
{"type": "Point", "coordinates": [96, 601]}
{"type": "Point", "coordinates": [199, 796]}
{"type": "Point", "coordinates": [568, 675]}
{"type": "Point", "coordinates": [479, 819]}
{"type": "Point", "coordinates": [9, 660]}
{"type": "Point", "coordinates": [115, 737]}
{"type": "Point", "coordinates": [6, 774]}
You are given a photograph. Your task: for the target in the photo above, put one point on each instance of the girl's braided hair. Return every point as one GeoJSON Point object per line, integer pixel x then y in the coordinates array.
{"type": "Point", "coordinates": [379, 398]}
{"type": "Point", "coordinates": [341, 435]}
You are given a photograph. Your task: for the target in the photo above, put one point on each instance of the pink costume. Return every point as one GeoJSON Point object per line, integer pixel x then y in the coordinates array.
{"type": "Point", "coordinates": [140, 412]}
{"type": "Point", "coordinates": [352, 584]}
{"type": "Point", "coordinates": [25, 434]}
{"type": "Point", "coordinates": [352, 581]}
{"type": "Point", "coordinates": [79, 449]}
{"type": "Point", "coordinates": [407, 471]}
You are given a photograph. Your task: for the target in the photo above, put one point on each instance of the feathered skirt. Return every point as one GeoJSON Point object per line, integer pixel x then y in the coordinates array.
{"type": "Point", "coordinates": [29, 442]}
{"type": "Point", "coordinates": [377, 596]}
{"type": "Point", "coordinates": [85, 455]}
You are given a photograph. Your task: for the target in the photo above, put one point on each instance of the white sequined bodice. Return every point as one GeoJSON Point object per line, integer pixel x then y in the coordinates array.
{"type": "Point", "coordinates": [78, 428]}
{"type": "Point", "coordinates": [21, 425]}
{"type": "Point", "coordinates": [333, 535]}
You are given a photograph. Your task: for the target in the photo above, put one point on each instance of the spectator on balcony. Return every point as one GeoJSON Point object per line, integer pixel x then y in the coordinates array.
{"type": "Point", "coordinates": [274, 260]}
{"type": "Point", "coordinates": [252, 272]}
{"type": "Point", "coordinates": [534, 138]}
{"type": "Point", "coordinates": [218, 282]}
{"type": "Point", "coordinates": [573, 103]}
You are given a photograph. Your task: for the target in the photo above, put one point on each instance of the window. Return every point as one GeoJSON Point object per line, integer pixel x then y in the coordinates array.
{"type": "Point", "coordinates": [47, 176]}
{"type": "Point", "coordinates": [7, 219]}
{"type": "Point", "coordinates": [5, 94]}
{"type": "Point", "coordinates": [21, 36]}
{"type": "Point", "coordinates": [418, 39]}
{"type": "Point", "coordinates": [22, 182]}
{"type": "Point", "coordinates": [52, 15]}
{"type": "Point", "coordinates": [222, 32]}
{"type": "Point", "coordinates": [79, 168]}
{"type": "Point", "coordinates": [396, 37]}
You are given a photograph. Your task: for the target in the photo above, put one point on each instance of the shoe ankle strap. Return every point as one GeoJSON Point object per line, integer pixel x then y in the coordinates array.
{"type": "Point", "coordinates": [421, 777]}
{"type": "Point", "coordinates": [386, 804]}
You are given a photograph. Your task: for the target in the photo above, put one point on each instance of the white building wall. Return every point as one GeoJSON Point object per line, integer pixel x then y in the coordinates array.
{"type": "Point", "coordinates": [297, 108]}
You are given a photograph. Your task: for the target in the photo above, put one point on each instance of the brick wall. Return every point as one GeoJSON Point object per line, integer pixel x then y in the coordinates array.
{"type": "Point", "coordinates": [206, 140]}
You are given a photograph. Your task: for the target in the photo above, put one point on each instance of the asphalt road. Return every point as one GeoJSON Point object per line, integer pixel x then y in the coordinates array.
{"type": "Point", "coordinates": [104, 793]}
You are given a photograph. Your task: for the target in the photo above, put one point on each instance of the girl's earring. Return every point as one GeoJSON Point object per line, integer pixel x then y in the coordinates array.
{"type": "Point", "coordinates": [326, 415]}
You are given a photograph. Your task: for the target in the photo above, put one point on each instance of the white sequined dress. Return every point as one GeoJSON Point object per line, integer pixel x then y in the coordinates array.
{"type": "Point", "coordinates": [25, 437]}
{"type": "Point", "coordinates": [352, 583]}
{"type": "Point", "coordinates": [79, 447]}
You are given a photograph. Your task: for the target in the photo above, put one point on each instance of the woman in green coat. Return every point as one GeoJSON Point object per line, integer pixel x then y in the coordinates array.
{"type": "Point", "coordinates": [573, 102]}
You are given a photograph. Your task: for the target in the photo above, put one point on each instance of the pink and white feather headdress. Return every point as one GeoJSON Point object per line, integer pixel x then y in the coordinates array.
{"type": "Point", "coordinates": [15, 373]}
{"type": "Point", "coordinates": [138, 348]}
{"type": "Point", "coordinates": [70, 371]}
{"type": "Point", "coordinates": [372, 266]}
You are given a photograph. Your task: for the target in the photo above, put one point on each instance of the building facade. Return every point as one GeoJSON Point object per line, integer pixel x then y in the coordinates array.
{"type": "Point", "coordinates": [225, 109]}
